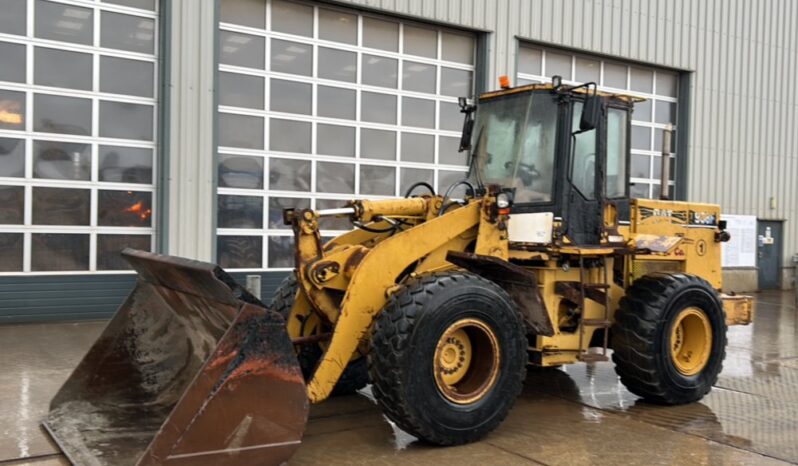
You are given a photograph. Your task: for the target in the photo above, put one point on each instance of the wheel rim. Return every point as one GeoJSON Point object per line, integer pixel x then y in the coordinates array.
{"type": "Point", "coordinates": [466, 361]}
{"type": "Point", "coordinates": [691, 341]}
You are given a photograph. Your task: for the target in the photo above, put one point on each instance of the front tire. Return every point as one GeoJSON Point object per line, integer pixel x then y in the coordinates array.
{"type": "Point", "coordinates": [448, 357]}
{"type": "Point", "coordinates": [669, 338]}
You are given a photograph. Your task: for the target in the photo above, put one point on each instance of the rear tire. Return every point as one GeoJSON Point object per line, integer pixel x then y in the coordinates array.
{"type": "Point", "coordinates": [669, 338]}
{"type": "Point", "coordinates": [354, 377]}
{"type": "Point", "coordinates": [415, 345]}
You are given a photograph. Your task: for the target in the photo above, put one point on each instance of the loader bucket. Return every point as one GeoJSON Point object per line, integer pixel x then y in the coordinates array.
{"type": "Point", "coordinates": [191, 370]}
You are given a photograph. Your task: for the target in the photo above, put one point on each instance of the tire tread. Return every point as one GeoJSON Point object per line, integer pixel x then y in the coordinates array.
{"type": "Point", "coordinates": [634, 335]}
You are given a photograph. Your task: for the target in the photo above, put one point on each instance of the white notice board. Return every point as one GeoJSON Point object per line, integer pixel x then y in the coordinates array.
{"type": "Point", "coordinates": [740, 250]}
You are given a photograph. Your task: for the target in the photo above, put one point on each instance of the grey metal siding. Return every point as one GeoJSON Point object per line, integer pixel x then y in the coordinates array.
{"type": "Point", "coordinates": [742, 57]}
{"type": "Point", "coordinates": [83, 297]}
{"type": "Point", "coordinates": [64, 297]}
{"type": "Point", "coordinates": [189, 187]}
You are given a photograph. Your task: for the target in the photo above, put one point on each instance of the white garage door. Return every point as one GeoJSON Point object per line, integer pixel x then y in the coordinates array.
{"type": "Point", "coordinates": [318, 105]}
{"type": "Point", "coordinates": [78, 94]}
{"type": "Point", "coordinates": [659, 87]}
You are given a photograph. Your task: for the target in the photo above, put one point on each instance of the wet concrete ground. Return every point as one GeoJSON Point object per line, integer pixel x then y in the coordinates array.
{"type": "Point", "coordinates": [574, 416]}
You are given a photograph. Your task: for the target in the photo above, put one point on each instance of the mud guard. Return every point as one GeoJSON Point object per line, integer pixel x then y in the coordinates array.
{"type": "Point", "coordinates": [520, 283]}
{"type": "Point", "coordinates": [192, 369]}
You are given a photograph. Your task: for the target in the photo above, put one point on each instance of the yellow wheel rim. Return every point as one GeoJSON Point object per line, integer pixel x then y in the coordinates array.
{"type": "Point", "coordinates": [466, 361]}
{"type": "Point", "coordinates": [691, 341]}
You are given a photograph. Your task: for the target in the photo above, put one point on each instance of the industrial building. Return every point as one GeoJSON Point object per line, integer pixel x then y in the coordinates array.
{"type": "Point", "coordinates": [185, 127]}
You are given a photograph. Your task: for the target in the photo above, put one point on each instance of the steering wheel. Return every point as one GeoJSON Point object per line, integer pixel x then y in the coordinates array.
{"type": "Point", "coordinates": [527, 173]}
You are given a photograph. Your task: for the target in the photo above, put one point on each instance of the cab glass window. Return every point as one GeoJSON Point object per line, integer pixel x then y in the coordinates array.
{"type": "Point", "coordinates": [615, 181]}
{"type": "Point", "coordinates": [583, 167]}
{"type": "Point", "coordinates": [515, 139]}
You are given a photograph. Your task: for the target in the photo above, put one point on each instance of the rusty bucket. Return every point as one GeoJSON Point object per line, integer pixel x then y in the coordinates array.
{"type": "Point", "coordinates": [191, 370]}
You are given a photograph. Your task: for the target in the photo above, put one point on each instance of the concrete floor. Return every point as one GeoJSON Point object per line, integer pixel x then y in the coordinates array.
{"type": "Point", "coordinates": [578, 415]}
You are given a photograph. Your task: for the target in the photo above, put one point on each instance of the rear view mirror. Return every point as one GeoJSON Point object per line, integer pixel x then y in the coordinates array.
{"type": "Point", "coordinates": [465, 139]}
{"type": "Point", "coordinates": [591, 113]}
{"type": "Point", "coordinates": [468, 123]}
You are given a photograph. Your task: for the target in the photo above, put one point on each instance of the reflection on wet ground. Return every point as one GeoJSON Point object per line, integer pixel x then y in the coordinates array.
{"type": "Point", "coordinates": [580, 414]}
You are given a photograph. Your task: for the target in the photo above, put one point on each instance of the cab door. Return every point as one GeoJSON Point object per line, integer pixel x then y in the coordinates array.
{"type": "Point", "coordinates": [583, 199]}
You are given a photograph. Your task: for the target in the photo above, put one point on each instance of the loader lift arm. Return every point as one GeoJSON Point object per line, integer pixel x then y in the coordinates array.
{"type": "Point", "coordinates": [366, 272]}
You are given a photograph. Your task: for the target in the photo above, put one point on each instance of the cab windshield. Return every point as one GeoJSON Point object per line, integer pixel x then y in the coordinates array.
{"type": "Point", "coordinates": [514, 144]}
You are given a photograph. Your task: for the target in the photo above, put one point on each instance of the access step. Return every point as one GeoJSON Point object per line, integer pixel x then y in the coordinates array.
{"type": "Point", "coordinates": [593, 357]}
{"type": "Point", "coordinates": [597, 323]}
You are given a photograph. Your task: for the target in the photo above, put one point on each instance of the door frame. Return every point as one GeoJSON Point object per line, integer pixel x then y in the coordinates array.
{"type": "Point", "coordinates": [779, 253]}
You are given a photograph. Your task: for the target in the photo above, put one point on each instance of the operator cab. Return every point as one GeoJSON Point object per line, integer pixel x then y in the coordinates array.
{"type": "Point", "coordinates": [557, 149]}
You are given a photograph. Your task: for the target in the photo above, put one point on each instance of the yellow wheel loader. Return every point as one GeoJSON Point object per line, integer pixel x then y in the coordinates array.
{"type": "Point", "coordinates": [441, 302]}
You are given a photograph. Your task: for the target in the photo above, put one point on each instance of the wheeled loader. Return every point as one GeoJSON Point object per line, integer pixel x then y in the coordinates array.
{"type": "Point", "coordinates": [440, 301]}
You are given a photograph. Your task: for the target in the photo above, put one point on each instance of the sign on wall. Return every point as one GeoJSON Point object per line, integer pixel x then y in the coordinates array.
{"type": "Point", "coordinates": [740, 250]}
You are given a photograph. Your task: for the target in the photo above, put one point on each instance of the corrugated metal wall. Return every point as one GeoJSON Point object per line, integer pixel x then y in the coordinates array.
{"type": "Point", "coordinates": [62, 297]}
{"type": "Point", "coordinates": [742, 54]}
{"type": "Point", "coordinates": [188, 147]}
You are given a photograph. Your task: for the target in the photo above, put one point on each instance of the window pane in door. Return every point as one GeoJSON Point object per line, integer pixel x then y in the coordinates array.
{"type": "Point", "coordinates": [240, 90]}
{"type": "Point", "coordinates": [126, 120]}
{"type": "Point", "coordinates": [51, 252]}
{"type": "Point", "coordinates": [61, 206]}
{"type": "Point", "coordinates": [12, 205]}
{"type": "Point", "coordinates": [250, 13]}
{"type": "Point", "coordinates": [335, 102]}
{"type": "Point", "coordinates": [337, 26]}
{"type": "Point", "coordinates": [120, 164]}
{"type": "Point", "coordinates": [240, 171]}
{"type": "Point", "coordinates": [377, 144]}
{"type": "Point", "coordinates": [14, 17]}
{"type": "Point", "coordinates": [240, 252]}
{"type": "Point", "coordinates": [239, 211]}
{"type": "Point", "coordinates": [335, 140]}
{"type": "Point", "coordinates": [13, 57]}
{"type": "Point", "coordinates": [67, 23]}
{"type": "Point", "coordinates": [457, 47]}
{"type": "Point", "coordinates": [109, 249]}
{"type": "Point", "coordinates": [61, 160]}
{"type": "Point", "coordinates": [59, 114]}
{"type": "Point", "coordinates": [11, 252]}
{"type": "Point", "coordinates": [583, 171]}
{"type": "Point", "coordinates": [380, 71]}
{"type": "Point", "coordinates": [292, 18]}
{"type": "Point", "coordinates": [335, 178]}
{"type": "Point", "coordinates": [409, 176]}
{"type": "Point", "coordinates": [12, 157]}
{"type": "Point", "coordinates": [289, 175]}
{"type": "Point", "coordinates": [123, 76]}
{"type": "Point", "coordinates": [12, 110]}
{"type": "Point", "coordinates": [281, 251]}
{"type": "Point", "coordinates": [418, 147]}
{"type": "Point", "coordinates": [290, 96]}
{"type": "Point", "coordinates": [377, 180]}
{"type": "Point", "coordinates": [380, 34]}
{"type": "Point", "coordinates": [127, 32]}
{"type": "Point", "coordinates": [240, 49]}
{"type": "Point", "coordinates": [291, 57]}
{"type": "Point", "coordinates": [289, 136]}
{"type": "Point", "coordinates": [124, 208]}
{"type": "Point", "coordinates": [420, 41]}
{"type": "Point", "coordinates": [240, 131]}
{"type": "Point", "coordinates": [278, 204]}
{"type": "Point", "coordinates": [615, 177]}
{"type": "Point", "coordinates": [339, 65]}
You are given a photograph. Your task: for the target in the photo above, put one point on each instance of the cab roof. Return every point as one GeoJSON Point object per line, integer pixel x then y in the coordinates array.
{"type": "Point", "coordinates": [629, 99]}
